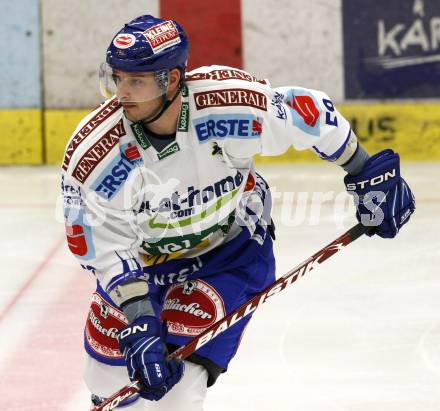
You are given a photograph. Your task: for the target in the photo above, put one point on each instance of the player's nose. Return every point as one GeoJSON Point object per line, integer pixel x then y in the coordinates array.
{"type": "Point", "coordinates": [123, 92]}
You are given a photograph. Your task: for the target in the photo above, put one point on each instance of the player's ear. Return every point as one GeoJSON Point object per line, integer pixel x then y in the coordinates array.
{"type": "Point", "coordinates": [174, 79]}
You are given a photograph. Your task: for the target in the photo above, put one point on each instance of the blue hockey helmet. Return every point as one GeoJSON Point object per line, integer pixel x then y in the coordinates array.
{"type": "Point", "coordinates": [144, 45]}
{"type": "Point", "coordinates": [149, 44]}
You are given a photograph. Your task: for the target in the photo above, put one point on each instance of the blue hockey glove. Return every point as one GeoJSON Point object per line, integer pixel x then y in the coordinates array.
{"type": "Point", "coordinates": [142, 343]}
{"type": "Point", "coordinates": [382, 197]}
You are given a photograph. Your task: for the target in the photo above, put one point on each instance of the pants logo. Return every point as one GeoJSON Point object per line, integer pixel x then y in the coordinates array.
{"type": "Point", "coordinates": [189, 287]}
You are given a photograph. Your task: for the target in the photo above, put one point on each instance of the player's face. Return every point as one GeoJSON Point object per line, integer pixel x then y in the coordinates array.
{"type": "Point", "coordinates": [138, 93]}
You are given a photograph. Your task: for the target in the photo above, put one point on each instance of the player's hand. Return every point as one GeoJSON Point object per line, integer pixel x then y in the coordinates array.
{"type": "Point", "coordinates": [383, 199]}
{"type": "Point", "coordinates": [142, 343]}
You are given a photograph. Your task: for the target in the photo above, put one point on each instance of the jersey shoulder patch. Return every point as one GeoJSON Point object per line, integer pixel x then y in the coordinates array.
{"type": "Point", "coordinates": [215, 75]}
{"type": "Point", "coordinates": [88, 128]}
{"type": "Point", "coordinates": [93, 140]}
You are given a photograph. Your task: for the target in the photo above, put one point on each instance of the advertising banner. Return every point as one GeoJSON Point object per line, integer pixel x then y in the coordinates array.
{"type": "Point", "coordinates": [391, 49]}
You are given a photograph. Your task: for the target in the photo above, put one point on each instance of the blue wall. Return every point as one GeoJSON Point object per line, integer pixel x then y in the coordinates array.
{"type": "Point", "coordinates": [20, 83]}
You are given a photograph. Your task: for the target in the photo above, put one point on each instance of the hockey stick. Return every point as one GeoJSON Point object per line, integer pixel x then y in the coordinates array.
{"type": "Point", "coordinates": [244, 310]}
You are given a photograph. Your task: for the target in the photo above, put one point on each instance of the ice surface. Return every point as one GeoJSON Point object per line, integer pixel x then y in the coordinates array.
{"type": "Point", "coordinates": [360, 333]}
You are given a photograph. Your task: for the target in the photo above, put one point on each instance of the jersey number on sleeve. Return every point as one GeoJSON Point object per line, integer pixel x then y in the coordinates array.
{"type": "Point", "coordinates": [328, 115]}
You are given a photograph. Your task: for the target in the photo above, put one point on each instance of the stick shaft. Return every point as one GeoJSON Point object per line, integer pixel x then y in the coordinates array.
{"type": "Point", "coordinates": [272, 289]}
{"type": "Point", "coordinates": [245, 309]}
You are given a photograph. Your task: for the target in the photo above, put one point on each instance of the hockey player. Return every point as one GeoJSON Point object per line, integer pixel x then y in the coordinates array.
{"type": "Point", "coordinates": [163, 205]}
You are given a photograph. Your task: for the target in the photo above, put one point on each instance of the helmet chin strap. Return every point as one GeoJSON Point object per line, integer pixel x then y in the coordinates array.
{"type": "Point", "coordinates": [165, 105]}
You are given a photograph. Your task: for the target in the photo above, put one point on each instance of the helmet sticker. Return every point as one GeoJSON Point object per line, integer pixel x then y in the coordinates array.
{"type": "Point", "coordinates": [162, 36]}
{"type": "Point", "coordinates": [124, 40]}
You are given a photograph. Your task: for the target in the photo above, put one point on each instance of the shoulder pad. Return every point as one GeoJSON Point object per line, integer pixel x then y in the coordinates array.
{"type": "Point", "coordinates": [94, 138]}
{"type": "Point", "coordinates": [215, 75]}
{"type": "Point", "coordinates": [88, 127]}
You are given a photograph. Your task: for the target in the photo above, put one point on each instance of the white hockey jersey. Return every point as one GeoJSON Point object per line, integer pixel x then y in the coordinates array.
{"type": "Point", "coordinates": [128, 205]}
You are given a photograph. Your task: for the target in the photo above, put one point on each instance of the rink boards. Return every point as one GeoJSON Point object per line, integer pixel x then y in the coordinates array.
{"type": "Point", "coordinates": [380, 66]}
{"type": "Point", "coordinates": [411, 129]}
